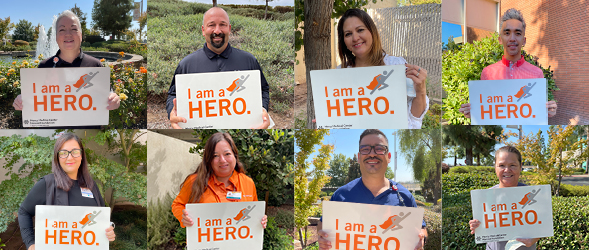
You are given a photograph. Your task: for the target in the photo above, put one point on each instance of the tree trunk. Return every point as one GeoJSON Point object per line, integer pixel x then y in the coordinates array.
{"type": "Point", "coordinates": [214, 3]}
{"type": "Point", "coordinates": [455, 158]}
{"type": "Point", "coordinates": [317, 45]}
{"type": "Point", "coordinates": [266, 11]}
{"type": "Point", "coordinates": [559, 174]}
{"type": "Point", "coordinates": [438, 183]}
{"type": "Point", "coordinates": [468, 160]}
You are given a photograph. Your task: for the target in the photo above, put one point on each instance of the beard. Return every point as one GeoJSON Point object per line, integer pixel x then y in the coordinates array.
{"type": "Point", "coordinates": [220, 44]}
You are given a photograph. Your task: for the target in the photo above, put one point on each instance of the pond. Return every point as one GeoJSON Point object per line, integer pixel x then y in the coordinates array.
{"type": "Point", "coordinates": [8, 58]}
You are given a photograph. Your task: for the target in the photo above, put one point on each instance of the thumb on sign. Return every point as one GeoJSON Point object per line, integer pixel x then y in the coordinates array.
{"type": "Point", "coordinates": [174, 118]}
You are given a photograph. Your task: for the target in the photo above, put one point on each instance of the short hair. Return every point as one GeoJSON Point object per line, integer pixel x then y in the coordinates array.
{"type": "Point", "coordinates": [509, 149]}
{"type": "Point", "coordinates": [513, 14]}
{"type": "Point", "coordinates": [203, 15]}
{"type": "Point", "coordinates": [68, 13]}
{"type": "Point", "coordinates": [372, 132]}
{"type": "Point", "coordinates": [62, 180]}
{"type": "Point", "coordinates": [376, 53]}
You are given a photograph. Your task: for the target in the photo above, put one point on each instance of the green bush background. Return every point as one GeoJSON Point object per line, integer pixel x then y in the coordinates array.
{"type": "Point", "coordinates": [570, 214]}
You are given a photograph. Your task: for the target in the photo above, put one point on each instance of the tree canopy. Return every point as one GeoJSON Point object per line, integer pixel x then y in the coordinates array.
{"type": "Point", "coordinates": [24, 31]}
{"type": "Point", "coordinates": [112, 17]}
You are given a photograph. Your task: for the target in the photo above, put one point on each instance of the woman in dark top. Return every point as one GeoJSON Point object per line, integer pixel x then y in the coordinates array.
{"type": "Point", "coordinates": [63, 187]}
{"type": "Point", "coordinates": [69, 40]}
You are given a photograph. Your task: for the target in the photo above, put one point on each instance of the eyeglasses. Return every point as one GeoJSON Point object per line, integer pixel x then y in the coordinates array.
{"type": "Point", "coordinates": [63, 154]}
{"type": "Point", "coordinates": [378, 149]}
{"type": "Point", "coordinates": [512, 167]}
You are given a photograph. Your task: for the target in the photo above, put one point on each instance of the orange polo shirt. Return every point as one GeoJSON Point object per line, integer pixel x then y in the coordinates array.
{"type": "Point", "coordinates": [215, 192]}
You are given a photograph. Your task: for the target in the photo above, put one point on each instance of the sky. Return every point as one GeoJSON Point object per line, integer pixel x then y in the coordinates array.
{"type": "Point", "coordinates": [42, 11]}
{"type": "Point", "coordinates": [527, 129]}
{"type": "Point", "coordinates": [346, 142]}
{"type": "Point", "coordinates": [450, 29]}
{"type": "Point", "coordinates": [248, 2]}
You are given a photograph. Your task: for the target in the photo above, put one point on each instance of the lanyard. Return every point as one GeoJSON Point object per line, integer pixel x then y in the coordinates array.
{"type": "Point", "coordinates": [395, 189]}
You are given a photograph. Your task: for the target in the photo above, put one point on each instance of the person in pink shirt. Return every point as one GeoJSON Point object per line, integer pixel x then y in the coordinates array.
{"type": "Point", "coordinates": [512, 65]}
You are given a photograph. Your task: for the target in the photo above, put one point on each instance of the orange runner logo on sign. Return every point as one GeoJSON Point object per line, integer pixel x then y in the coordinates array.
{"type": "Point", "coordinates": [55, 228]}
{"type": "Point", "coordinates": [371, 227]}
{"type": "Point", "coordinates": [360, 97]}
{"type": "Point", "coordinates": [378, 81]}
{"type": "Point", "coordinates": [226, 225]}
{"type": "Point", "coordinates": [219, 100]}
{"type": "Point", "coordinates": [84, 81]}
{"type": "Point", "coordinates": [509, 213]}
{"type": "Point", "coordinates": [503, 102]}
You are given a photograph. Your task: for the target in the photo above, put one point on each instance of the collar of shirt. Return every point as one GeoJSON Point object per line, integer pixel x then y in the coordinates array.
{"type": "Point", "coordinates": [517, 64]}
{"type": "Point", "coordinates": [225, 54]}
{"type": "Point", "coordinates": [219, 188]}
{"type": "Point", "coordinates": [61, 61]}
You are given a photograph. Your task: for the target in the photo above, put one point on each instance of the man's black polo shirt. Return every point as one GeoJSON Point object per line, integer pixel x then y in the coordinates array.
{"type": "Point", "coordinates": [205, 60]}
{"type": "Point", "coordinates": [82, 60]}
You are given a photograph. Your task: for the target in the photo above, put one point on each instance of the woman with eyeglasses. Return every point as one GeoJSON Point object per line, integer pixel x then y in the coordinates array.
{"type": "Point", "coordinates": [64, 187]}
{"type": "Point", "coordinates": [508, 166]}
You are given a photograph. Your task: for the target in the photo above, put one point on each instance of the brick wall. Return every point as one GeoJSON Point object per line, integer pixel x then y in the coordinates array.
{"type": "Point", "coordinates": [558, 33]}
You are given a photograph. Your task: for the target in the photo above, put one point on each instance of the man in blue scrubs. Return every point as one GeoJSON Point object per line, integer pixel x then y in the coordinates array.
{"type": "Point", "coordinates": [373, 187]}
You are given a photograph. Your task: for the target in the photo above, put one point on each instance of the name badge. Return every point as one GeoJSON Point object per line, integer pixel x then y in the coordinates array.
{"type": "Point", "coordinates": [87, 193]}
{"type": "Point", "coordinates": [234, 195]}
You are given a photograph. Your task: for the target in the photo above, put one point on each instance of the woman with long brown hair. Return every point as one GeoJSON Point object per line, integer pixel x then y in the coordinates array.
{"type": "Point", "coordinates": [66, 186]}
{"type": "Point", "coordinates": [359, 45]}
{"type": "Point", "coordinates": [220, 177]}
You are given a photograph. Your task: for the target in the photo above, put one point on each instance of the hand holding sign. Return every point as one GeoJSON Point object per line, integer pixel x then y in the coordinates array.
{"type": "Point", "coordinates": [230, 99]}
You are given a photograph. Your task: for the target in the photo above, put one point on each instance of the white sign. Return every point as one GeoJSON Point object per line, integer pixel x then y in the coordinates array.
{"type": "Point", "coordinates": [71, 227]}
{"type": "Point", "coordinates": [366, 97]}
{"type": "Point", "coordinates": [510, 213]}
{"type": "Point", "coordinates": [65, 96]}
{"type": "Point", "coordinates": [508, 102]}
{"type": "Point", "coordinates": [222, 100]}
{"type": "Point", "coordinates": [367, 226]}
{"type": "Point", "coordinates": [226, 226]}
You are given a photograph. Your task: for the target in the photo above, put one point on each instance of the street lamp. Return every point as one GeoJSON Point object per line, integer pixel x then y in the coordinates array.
{"type": "Point", "coordinates": [518, 127]}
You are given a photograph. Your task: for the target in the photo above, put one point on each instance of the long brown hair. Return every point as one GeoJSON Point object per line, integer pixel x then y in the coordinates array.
{"type": "Point", "coordinates": [376, 53]}
{"type": "Point", "coordinates": [205, 170]}
{"type": "Point", "coordinates": [62, 180]}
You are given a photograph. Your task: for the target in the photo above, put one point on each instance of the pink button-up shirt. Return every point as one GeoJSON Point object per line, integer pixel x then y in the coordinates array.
{"type": "Point", "coordinates": [506, 69]}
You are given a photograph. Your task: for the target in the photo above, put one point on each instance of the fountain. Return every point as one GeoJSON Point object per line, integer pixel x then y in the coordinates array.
{"type": "Point", "coordinates": [47, 46]}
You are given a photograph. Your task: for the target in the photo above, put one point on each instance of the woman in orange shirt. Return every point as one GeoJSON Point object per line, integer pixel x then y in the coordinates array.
{"type": "Point", "coordinates": [220, 177]}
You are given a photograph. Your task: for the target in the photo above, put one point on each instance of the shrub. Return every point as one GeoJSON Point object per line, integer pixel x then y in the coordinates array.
{"type": "Point", "coordinates": [468, 169]}
{"type": "Point", "coordinates": [160, 222]}
{"type": "Point", "coordinates": [275, 238]}
{"type": "Point", "coordinates": [180, 236]}
{"type": "Point", "coordinates": [86, 44]}
{"type": "Point", "coordinates": [284, 219]}
{"type": "Point", "coordinates": [129, 84]}
{"type": "Point", "coordinates": [571, 224]}
{"type": "Point", "coordinates": [98, 44]}
{"type": "Point", "coordinates": [433, 220]}
{"type": "Point", "coordinates": [10, 77]}
{"type": "Point", "coordinates": [466, 63]}
{"type": "Point", "coordinates": [567, 190]}
{"type": "Point", "coordinates": [94, 39]}
{"type": "Point", "coordinates": [131, 229]}
{"type": "Point", "coordinates": [21, 43]}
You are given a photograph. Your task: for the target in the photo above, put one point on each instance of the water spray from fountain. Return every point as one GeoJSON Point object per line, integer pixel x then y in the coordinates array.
{"type": "Point", "coordinates": [47, 46]}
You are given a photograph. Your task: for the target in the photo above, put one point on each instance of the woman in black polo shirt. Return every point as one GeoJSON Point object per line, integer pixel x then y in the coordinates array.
{"type": "Point", "coordinates": [64, 187]}
{"type": "Point", "coordinates": [69, 40]}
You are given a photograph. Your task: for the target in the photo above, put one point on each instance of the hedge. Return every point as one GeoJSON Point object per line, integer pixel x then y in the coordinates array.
{"type": "Point", "coordinates": [570, 215]}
